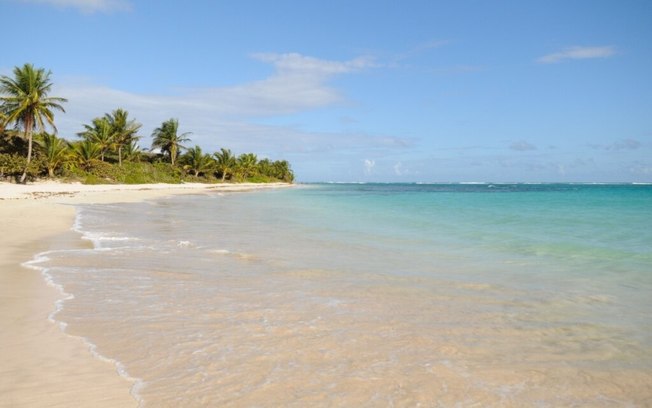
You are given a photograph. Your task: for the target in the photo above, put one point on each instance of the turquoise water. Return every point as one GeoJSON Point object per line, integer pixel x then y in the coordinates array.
{"type": "Point", "coordinates": [372, 294]}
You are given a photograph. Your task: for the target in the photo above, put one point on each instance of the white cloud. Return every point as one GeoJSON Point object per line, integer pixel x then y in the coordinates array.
{"type": "Point", "coordinates": [297, 64]}
{"type": "Point", "coordinates": [300, 83]}
{"type": "Point", "coordinates": [369, 166]}
{"type": "Point", "coordinates": [224, 117]}
{"type": "Point", "coordinates": [88, 6]}
{"type": "Point", "coordinates": [578, 53]}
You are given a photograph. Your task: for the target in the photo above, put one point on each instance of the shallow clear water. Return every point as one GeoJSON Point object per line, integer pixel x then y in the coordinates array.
{"type": "Point", "coordinates": [372, 295]}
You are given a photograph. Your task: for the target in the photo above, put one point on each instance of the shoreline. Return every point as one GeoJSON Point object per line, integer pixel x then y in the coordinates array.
{"type": "Point", "coordinates": [40, 364]}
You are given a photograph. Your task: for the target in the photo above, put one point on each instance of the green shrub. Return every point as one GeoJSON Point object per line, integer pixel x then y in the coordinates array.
{"type": "Point", "coordinates": [93, 179]}
{"type": "Point", "coordinates": [13, 165]}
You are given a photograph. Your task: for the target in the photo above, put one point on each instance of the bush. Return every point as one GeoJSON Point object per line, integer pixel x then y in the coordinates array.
{"type": "Point", "coordinates": [13, 165]}
{"type": "Point", "coordinates": [145, 173]}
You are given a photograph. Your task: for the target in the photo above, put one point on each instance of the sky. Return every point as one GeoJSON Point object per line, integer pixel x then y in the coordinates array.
{"type": "Point", "coordinates": [361, 90]}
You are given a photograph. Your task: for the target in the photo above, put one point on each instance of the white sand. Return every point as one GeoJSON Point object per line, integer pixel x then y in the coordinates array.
{"type": "Point", "coordinates": [40, 365]}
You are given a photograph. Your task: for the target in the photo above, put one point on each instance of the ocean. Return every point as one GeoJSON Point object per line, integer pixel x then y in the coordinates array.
{"type": "Point", "coordinates": [370, 295]}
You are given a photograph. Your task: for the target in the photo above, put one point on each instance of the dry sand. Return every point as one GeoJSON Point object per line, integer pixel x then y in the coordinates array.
{"type": "Point", "coordinates": [40, 365]}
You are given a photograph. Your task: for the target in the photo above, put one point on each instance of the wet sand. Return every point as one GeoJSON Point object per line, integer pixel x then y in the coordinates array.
{"type": "Point", "coordinates": [41, 365]}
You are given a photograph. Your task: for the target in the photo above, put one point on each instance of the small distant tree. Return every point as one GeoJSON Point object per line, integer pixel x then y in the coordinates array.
{"type": "Point", "coordinates": [54, 151]}
{"type": "Point", "coordinates": [85, 153]}
{"type": "Point", "coordinates": [101, 134]}
{"type": "Point", "coordinates": [247, 163]}
{"type": "Point", "coordinates": [264, 167]}
{"type": "Point", "coordinates": [168, 139]}
{"type": "Point", "coordinates": [123, 130]}
{"type": "Point", "coordinates": [283, 171]}
{"type": "Point", "coordinates": [225, 163]}
{"type": "Point", "coordinates": [196, 161]}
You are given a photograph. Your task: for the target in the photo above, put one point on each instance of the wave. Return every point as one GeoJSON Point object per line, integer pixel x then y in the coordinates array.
{"type": "Point", "coordinates": [34, 264]}
{"type": "Point", "coordinates": [37, 262]}
{"type": "Point", "coordinates": [96, 237]}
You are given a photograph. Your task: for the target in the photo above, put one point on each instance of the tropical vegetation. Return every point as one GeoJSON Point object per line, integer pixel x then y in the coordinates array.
{"type": "Point", "coordinates": [26, 103]}
{"type": "Point", "coordinates": [107, 149]}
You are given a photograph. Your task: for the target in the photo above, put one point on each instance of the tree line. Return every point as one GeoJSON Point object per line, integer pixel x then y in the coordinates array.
{"type": "Point", "coordinates": [107, 149]}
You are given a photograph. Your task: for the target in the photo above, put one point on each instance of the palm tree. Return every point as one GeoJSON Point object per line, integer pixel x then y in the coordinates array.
{"type": "Point", "coordinates": [132, 151]}
{"type": "Point", "coordinates": [27, 103]}
{"type": "Point", "coordinates": [225, 162]}
{"type": "Point", "coordinates": [282, 171]}
{"type": "Point", "coordinates": [123, 130]}
{"type": "Point", "coordinates": [101, 134]}
{"type": "Point", "coordinates": [85, 153]}
{"type": "Point", "coordinates": [264, 167]}
{"type": "Point", "coordinates": [168, 140]}
{"type": "Point", "coordinates": [196, 161]}
{"type": "Point", "coordinates": [55, 151]}
{"type": "Point", "coordinates": [247, 164]}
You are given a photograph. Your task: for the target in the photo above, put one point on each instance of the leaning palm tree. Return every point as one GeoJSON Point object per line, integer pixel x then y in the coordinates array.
{"type": "Point", "coordinates": [196, 161]}
{"type": "Point", "coordinates": [54, 150]}
{"type": "Point", "coordinates": [225, 162]}
{"type": "Point", "coordinates": [26, 103]}
{"type": "Point", "coordinates": [123, 130]}
{"type": "Point", "coordinates": [100, 133]}
{"type": "Point", "coordinates": [169, 140]}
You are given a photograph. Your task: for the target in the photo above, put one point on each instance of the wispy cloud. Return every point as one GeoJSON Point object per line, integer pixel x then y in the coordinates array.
{"type": "Point", "coordinates": [625, 144]}
{"type": "Point", "coordinates": [522, 146]}
{"type": "Point", "coordinates": [294, 63]}
{"type": "Point", "coordinates": [227, 116]}
{"type": "Point", "coordinates": [87, 6]}
{"type": "Point", "coordinates": [578, 53]}
{"type": "Point", "coordinates": [300, 83]}
{"type": "Point", "coordinates": [420, 49]}
{"type": "Point", "coordinates": [401, 59]}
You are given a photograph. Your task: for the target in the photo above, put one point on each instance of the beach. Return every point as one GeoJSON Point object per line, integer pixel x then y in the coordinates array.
{"type": "Point", "coordinates": [326, 295]}
{"type": "Point", "coordinates": [41, 365]}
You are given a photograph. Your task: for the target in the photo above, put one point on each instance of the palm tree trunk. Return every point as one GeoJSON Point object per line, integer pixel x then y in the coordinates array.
{"type": "Point", "coordinates": [28, 136]}
{"type": "Point", "coordinates": [120, 156]}
{"type": "Point", "coordinates": [223, 176]}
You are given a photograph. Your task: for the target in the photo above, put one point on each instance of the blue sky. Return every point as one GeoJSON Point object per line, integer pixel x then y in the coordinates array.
{"type": "Point", "coordinates": [363, 90]}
